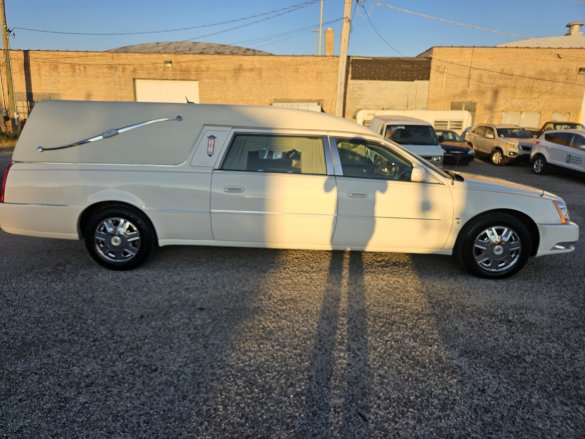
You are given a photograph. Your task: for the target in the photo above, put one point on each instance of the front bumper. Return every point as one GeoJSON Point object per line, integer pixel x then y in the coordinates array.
{"type": "Point", "coordinates": [557, 238]}
{"type": "Point", "coordinates": [457, 158]}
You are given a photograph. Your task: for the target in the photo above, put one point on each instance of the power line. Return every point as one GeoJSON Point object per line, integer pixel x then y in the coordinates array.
{"type": "Point", "coordinates": [377, 32]}
{"type": "Point", "coordinates": [281, 36]}
{"type": "Point", "coordinates": [513, 75]}
{"type": "Point", "coordinates": [273, 13]}
{"type": "Point", "coordinates": [447, 21]}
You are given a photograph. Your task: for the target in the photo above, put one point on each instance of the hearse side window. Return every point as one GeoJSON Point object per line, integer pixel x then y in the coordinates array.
{"type": "Point", "coordinates": [272, 153]}
{"type": "Point", "coordinates": [371, 160]}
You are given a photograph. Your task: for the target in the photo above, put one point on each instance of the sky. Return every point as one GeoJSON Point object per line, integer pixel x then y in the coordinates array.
{"type": "Point", "coordinates": [380, 28]}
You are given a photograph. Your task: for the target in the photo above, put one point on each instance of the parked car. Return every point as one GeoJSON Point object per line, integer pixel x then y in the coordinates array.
{"type": "Point", "coordinates": [128, 177]}
{"type": "Point", "coordinates": [563, 149]}
{"type": "Point", "coordinates": [556, 125]}
{"type": "Point", "coordinates": [502, 143]}
{"type": "Point", "coordinates": [457, 152]}
{"type": "Point", "coordinates": [450, 137]}
{"type": "Point", "coordinates": [417, 135]}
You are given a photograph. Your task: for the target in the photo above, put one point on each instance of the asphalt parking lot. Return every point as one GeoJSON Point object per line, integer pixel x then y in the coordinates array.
{"type": "Point", "coordinates": [248, 343]}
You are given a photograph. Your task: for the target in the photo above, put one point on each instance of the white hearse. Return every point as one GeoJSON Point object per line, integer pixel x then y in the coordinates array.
{"type": "Point", "coordinates": [128, 177]}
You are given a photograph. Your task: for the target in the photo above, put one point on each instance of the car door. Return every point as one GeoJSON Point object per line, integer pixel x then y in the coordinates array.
{"type": "Point", "coordinates": [559, 148]}
{"type": "Point", "coordinates": [274, 191]}
{"type": "Point", "coordinates": [576, 158]}
{"type": "Point", "coordinates": [478, 139]}
{"type": "Point", "coordinates": [379, 208]}
{"type": "Point", "coordinates": [487, 140]}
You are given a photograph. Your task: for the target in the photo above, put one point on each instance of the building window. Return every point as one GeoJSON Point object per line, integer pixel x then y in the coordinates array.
{"type": "Point", "coordinates": [525, 119]}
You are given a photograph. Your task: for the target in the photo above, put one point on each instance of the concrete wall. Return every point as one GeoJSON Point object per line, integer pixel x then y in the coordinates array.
{"type": "Point", "coordinates": [381, 95]}
{"type": "Point", "coordinates": [498, 82]}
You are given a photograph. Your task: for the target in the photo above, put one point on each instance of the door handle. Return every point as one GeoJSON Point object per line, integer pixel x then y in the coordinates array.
{"type": "Point", "coordinates": [233, 189]}
{"type": "Point", "coordinates": [357, 195]}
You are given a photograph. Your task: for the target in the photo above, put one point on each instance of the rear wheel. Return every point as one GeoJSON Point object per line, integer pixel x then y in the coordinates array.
{"type": "Point", "coordinates": [497, 157]}
{"type": "Point", "coordinates": [539, 165]}
{"type": "Point", "coordinates": [494, 246]}
{"type": "Point", "coordinates": [119, 238]}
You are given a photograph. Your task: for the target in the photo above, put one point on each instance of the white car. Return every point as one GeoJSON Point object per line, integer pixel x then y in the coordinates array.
{"type": "Point", "coordinates": [562, 148]}
{"type": "Point", "coordinates": [416, 135]}
{"type": "Point", "coordinates": [128, 177]}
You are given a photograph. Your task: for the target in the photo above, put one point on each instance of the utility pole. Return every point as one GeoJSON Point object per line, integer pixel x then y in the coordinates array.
{"type": "Point", "coordinates": [342, 72]}
{"type": "Point", "coordinates": [8, 70]}
{"type": "Point", "coordinates": [321, 30]}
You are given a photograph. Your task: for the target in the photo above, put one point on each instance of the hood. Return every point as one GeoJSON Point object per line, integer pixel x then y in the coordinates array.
{"type": "Point", "coordinates": [423, 150]}
{"type": "Point", "coordinates": [531, 140]}
{"type": "Point", "coordinates": [452, 147]}
{"type": "Point", "coordinates": [490, 184]}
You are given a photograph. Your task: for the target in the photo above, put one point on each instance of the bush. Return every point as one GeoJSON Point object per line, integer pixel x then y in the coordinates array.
{"type": "Point", "coordinates": [7, 139]}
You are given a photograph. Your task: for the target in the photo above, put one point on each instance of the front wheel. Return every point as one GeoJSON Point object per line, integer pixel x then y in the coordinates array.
{"type": "Point", "coordinates": [539, 165]}
{"type": "Point", "coordinates": [497, 157]}
{"type": "Point", "coordinates": [119, 238]}
{"type": "Point", "coordinates": [495, 246]}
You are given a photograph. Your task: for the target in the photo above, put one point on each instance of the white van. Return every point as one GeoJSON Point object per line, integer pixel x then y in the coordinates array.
{"type": "Point", "coordinates": [453, 120]}
{"type": "Point", "coordinates": [128, 177]}
{"type": "Point", "coordinates": [416, 135]}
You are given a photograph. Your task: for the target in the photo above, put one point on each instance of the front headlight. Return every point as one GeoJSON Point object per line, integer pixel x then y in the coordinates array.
{"type": "Point", "coordinates": [563, 211]}
{"type": "Point", "coordinates": [435, 159]}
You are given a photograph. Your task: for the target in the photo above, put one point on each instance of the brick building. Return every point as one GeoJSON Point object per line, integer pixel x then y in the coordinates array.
{"type": "Point", "coordinates": [540, 80]}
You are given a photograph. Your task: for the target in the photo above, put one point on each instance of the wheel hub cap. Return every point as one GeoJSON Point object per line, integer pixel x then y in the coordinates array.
{"type": "Point", "coordinates": [497, 248]}
{"type": "Point", "coordinates": [117, 239]}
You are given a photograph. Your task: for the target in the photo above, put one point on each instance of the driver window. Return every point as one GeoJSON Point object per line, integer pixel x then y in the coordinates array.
{"type": "Point", "coordinates": [371, 160]}
{"type": "Point", "coordinates": [578, 141]}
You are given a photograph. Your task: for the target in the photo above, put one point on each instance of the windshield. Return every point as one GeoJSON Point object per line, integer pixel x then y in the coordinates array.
{"type": "Point", "coordinates": [514, 133]}
{"type": "Point", "coordinates": [567, 126]}
{"type": "Point", "coordinates": [450, 136]}
{"type": "Point", "coordinates": [411, 134]}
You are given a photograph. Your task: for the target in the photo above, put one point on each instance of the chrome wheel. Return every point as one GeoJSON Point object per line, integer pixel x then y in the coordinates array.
{"type": "Point", "coordinates": [497, 249]}
{"type": "Point", "coordinates": [494, 246]}
{"type": "Point", "coordinates": [117, 239]}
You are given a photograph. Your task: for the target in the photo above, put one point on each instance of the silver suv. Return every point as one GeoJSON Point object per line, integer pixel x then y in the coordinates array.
{"type": "Point", "coordinates": [502, 143]}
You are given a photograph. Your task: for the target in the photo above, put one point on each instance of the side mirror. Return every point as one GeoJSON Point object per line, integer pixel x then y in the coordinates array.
{"type": "Point", "coordinates": [418, 174]}
{"type": "Point", "coordinates": [441, 138]}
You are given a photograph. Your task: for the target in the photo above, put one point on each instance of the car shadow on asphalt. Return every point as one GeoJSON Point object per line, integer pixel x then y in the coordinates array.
{"type": "Point", "coordinates": [317, 418]}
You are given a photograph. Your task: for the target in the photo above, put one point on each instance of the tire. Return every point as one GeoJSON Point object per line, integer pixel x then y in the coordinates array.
{"type": "Point", "coordinates": [497, 157]}
{"type": "Point", "coordinates": [119, 237]}
{"type": "Point", "coordinates": [539, 165]}
{"type": "Point", "coordinates": [494, 246]}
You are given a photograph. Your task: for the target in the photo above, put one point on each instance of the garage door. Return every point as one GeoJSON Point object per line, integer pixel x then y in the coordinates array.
{"type": "Point", "coordinates": [160, 90]}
